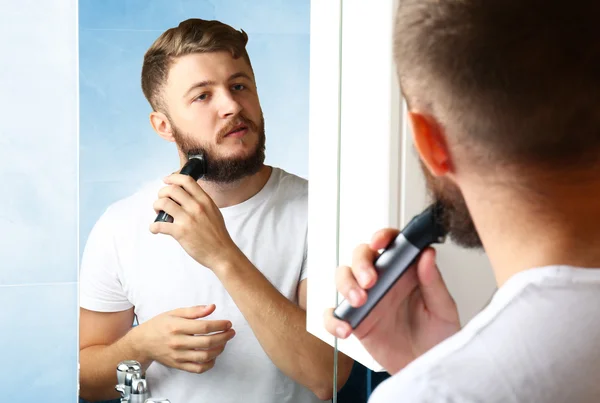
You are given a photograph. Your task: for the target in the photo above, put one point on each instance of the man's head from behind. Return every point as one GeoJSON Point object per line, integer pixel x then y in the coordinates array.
{"type": "Point", "coordinates": [499, 90]}
{"type": "Point", "coordinates": [200, 84]}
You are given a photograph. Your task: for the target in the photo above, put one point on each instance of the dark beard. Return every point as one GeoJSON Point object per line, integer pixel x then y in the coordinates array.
{"type": "Point", "coordinates": [461, 228]}
{"type": "Point", "coordinates": [226, 170]}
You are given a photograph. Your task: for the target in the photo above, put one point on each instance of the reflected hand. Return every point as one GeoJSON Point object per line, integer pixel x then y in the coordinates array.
{"type": "Point", "coordinates": [417, 313]}
{"type": "Point", "coordinates": [178, 340]}
{"type": "Point", "coordinates": [197, 225]}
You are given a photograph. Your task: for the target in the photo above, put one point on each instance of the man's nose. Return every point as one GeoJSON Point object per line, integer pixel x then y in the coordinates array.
{"type": "Point", "coordinates": [228, 106]}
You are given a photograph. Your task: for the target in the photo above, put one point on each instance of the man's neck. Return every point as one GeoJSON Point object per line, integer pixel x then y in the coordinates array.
{"type": "Point", "coordinates": [524, 229]}
{"type": "Point", "coordinates": [230, 194]}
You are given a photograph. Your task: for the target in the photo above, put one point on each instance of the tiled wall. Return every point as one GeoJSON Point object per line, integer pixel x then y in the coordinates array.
{"type": "Point", "coordinates": [38, 201]}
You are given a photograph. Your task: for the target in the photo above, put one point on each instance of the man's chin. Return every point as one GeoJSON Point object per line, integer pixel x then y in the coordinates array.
{"type": "Point", "coordinates": [235, 147]}
{"type": "Point", "coordinates": [231, 154]}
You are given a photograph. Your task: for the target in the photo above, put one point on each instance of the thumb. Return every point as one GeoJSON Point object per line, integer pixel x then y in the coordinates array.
{"type": "Point", "coordinates": [435, 294]}
{"type": "Point", "coordinates": [194, 312]}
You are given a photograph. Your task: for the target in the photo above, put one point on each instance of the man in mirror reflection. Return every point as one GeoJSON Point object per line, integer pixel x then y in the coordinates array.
{"type": "Point", "coordinates": [504, 103]}
{"type": "Point", "coordinates": [220, 292]}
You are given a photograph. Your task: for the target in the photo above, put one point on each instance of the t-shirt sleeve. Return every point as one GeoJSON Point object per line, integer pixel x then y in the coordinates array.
{"type": "Point", "coordinates": [304, 269]}
{"type": "Point", "coordinates": [100, 287]}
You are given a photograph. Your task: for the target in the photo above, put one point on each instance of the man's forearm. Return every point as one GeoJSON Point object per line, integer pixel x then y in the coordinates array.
{"type": "Point", "coordinates": [280, 327]}
{"type": "Point", "coordinates": [98, 367]}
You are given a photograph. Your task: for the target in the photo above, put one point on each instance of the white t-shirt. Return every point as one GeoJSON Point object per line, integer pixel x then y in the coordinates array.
{"type": "Point", "coordinates": [124, 265]}
{"type": "Point", "coordinates": [538, 341]}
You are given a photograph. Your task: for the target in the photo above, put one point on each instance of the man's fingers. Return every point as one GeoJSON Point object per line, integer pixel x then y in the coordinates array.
{"type": "Point", "coordinates": [205, 341]}
{"type": "Point", "coordinates": [194, 367]}
{"type": "Point", "coordinates": [189, 184]}
{"type": "Point", "coordinates": [167, 205]}
{"type": "Point", "coordinates": [199, 356]}
{"type": "Point", "coordinates": [364, 256]}
{"type": "Point", "coordinates": [362, 265]}
{"type": "Point", "coordinates": [347, 285]}
{"type": "Point", "coordinates": [161, 228]}
{"type": "Point", "coordinates": [174, 210]}
{"type": "Point", "coordinates": [179, 196]}
{"type": "Point", "coordinates": [336, 327]}
{"type": "Point", "coordinates": [193, 312]}
{"type": "Point", "coordinates": [383, 237]}
{"type": "Point", "coordinates": [435, 294]}
{"type": "Point", "coordinates": [202, 327]}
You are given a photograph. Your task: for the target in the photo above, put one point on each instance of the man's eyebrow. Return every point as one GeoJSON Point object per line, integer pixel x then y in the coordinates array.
{"type": "Point", "coordinates": [199, 84]}
{"type": "Point", "coordinates": [239, 75]}
{"type": "Point", "coordinates": [208, 83]}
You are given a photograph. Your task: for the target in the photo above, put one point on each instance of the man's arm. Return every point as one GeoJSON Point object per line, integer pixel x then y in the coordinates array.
{"type": "Point", "coordinates": [278, 323]}
{"type": "Point", "coordinates": [175, 338]}
{"type": "Point", "coordinates": [280, 327]}
{"type": "Point", "coordinates": [104, 341]}
{"type": "Point", "coordinates": [104, 327]}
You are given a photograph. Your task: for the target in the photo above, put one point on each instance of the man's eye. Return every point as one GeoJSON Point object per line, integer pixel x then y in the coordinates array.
{"type": "Point", "coordinates": [238, 87]}
{"type": "Point", "coordinates": [201, 97]}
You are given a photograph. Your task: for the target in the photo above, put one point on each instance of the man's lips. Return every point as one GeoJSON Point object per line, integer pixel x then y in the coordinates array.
{"type": "Point", "coordinates": [238, 131]}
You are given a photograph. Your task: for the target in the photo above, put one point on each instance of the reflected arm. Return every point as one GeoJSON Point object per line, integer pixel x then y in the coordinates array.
{"type": "Point", "coordinates": [280, 327]}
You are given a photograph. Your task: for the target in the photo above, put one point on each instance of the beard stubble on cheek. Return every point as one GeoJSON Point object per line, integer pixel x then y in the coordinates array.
{"type": "Point", "coordinates": [226, 169]}
{"type": "Point", "coordinates": [461, 228]}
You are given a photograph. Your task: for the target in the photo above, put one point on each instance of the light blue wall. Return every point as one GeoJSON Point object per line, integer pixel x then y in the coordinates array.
{"type": "Point", "coordinates": [119, 149]}
{"type": "Point", "coordinates": [38, 201]}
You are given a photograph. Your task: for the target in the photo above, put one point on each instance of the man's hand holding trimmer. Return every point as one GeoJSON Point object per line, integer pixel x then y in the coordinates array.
{"type": "Point", "coordinates": [198, 224]}
{"type": "Point", "coordinates": [417, 313]}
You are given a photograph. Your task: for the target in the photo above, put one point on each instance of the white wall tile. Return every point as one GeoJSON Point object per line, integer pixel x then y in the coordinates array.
{"type": "Point", "coordinates": [38, 343]}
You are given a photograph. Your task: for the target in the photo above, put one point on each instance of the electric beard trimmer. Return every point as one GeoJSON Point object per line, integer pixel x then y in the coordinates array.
{"type": "Point", "coordinates": [423, 230]}
{"type": "Point", "coordinates": [196, 168]}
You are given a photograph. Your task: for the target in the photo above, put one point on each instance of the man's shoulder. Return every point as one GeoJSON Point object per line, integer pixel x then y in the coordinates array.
{"type": "Point", "coordinates": [136, 205]}
{"type": "Point", "coordinates": [443, 374]}
{"type": "Point", "coordinates": [403, 388]}
{"type": "Point", "coordinates": [291, 186]}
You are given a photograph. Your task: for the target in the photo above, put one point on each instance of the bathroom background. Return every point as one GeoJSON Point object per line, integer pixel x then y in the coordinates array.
{"type": "Point", "coordinates": [75, 137]}
{"type": "Point", "coordinates": [38, 201]}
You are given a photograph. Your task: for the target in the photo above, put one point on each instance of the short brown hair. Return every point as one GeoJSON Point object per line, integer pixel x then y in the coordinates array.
{"type": "Point", "coordinates": [512, 81]}
{"type": "Point", "coordinates": [190, 36]}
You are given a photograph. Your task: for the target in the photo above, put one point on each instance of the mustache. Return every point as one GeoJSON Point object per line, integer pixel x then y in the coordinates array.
{"type": "Point", "coordinates": [231, 124]}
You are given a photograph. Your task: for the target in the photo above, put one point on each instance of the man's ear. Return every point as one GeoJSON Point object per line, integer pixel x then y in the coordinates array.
{"type": "Point", "coordinates": [430, 143]}
{"type": "Point", "coordinates": [161, 125]}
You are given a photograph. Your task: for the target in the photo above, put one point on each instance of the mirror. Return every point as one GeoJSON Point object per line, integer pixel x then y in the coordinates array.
{"type": "Point", "coordinates": [128, 272]}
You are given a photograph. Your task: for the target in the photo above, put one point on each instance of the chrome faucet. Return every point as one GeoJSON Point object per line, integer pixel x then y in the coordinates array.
{"type": "Point", "coordinates": [132, 385]}
{"type": "Point", "coordinates": [131, 382]}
